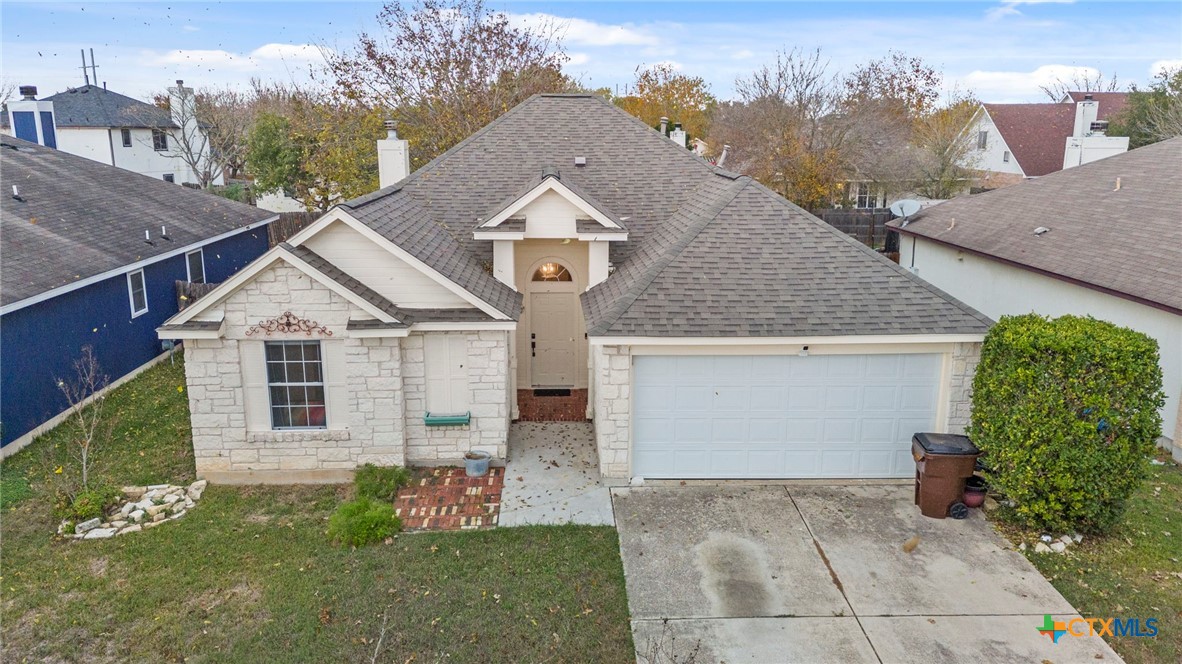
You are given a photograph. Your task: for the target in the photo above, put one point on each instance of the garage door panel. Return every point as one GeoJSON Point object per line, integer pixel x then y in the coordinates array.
{"type": "Point", "coordinates": [781, 416]}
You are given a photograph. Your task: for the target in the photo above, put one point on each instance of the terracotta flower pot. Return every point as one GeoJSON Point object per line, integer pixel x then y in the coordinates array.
{"type": "Point", "coordinates": [974, 491]}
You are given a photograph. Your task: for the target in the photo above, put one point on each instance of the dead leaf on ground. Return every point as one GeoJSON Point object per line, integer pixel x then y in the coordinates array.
{"type": "Point", "coordinates": [910, 544]}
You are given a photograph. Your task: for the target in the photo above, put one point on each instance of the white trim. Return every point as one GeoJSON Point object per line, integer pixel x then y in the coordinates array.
{"type": "Point", "coordinates": [188, 270]}
{"type": "Point", "coordinates": [794, 349]}
{"type": "Point", "coordinates": [497, 235]}
{"type": "Point", "coordinates": [19, 444]}
{"type": "Point", "coordinates": [240, 278]}
{"type": "Point", "coordinates": [446, 327]}
{"type": "Point", "coordinates": [337, 214]}
{"type": "Point", "coordinates": [787, 341]}
{"type": "Point", "coordinates": [136, 313]}
{"type": "Point", "coordinates": [379, 333]}
{"type": "Point", "coordinates": [193, 334]}
{"type": "Point", "coordinates": [123, 269]}
{"type": "Point", "coordinates": [601, 237]}
{"type": "Point", "coordinates": [555, 185]}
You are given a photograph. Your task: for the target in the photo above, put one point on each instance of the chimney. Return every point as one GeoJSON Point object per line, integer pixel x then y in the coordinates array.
{"type": "Point", "coordinates": [393, 157]}
{"type": "Point", "coordinates": [1086, 113]}
{"type": "Point", "coordinates": [722, 157]}
{"type": "Point", "coordinates": [677, 135]}
{"type": "Point", "coordinates": [664, 125]}
{"type": "Point", "coordinates": [32, 120]}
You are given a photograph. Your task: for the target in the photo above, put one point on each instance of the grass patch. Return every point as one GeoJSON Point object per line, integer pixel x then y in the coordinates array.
{"type": "Point", "coordinates": [1136, 572]}
{"type": "Point", "coordinates": [249, 575]}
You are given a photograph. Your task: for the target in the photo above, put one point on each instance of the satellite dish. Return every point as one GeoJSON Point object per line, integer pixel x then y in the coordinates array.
{"type": "Point", "coordinates": [905, 208]}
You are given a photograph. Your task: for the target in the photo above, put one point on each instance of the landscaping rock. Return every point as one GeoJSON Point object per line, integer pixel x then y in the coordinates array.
{"type": "Point", "coordinates": [153, 510]}
{"type": "Point", "coordinates": [134, 492]}
{"type": "Point", "coordinates": [176, 507]}
{"type": "Point", "coordinates": [196, 489]}
{"type": "Point", "coordinates": [990, 504]}
{"type": "Point", "coordinates": [1041, 548]}
{"type": "Point", "coordinates": [170, 499]}
{"type": "Point", "coordinates": [131, 529]}
{"type": "Point", "coordinates": [99, 533]}
{"type": "Point", "coordinates": [1058, 547]}
{"type": "Point", "coordinates": [136, 516]}
{"type": "Point", "coordinates": [1077, 537]}
{"type": "Point", "coordinates": [1066, 539]}
{"type": "Point", "coordinates": [1022, 546]}
{"type": "Point", "coordinates": [159, 516]}
{"type": "Point", "coordinates": [87, 525]}
{"type": "Point", "coordinates": [189, 502]}
{"type": "Point", "coordinates": [118, 524]}
{"type": "Point", "coordinates": [126, 509]}
{"type": "Point", "coordinates": [178, 514]}
{"type": "Point", "coordinates": [155, 487]}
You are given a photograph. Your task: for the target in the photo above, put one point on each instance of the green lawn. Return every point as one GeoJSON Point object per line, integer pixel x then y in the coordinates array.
{"type": "Point", "coordinates": [249, 576]}
{"type": "Point", "coordinates": [1134, 573]}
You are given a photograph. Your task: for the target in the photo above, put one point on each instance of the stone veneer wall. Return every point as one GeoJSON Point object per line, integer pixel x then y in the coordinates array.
{"type": "Point", "coordinates": [960, 393]}
{"type": "Point", "coordinates": [489, 401]}
{"type": "Point", "coordinates": [383, 418]}
{"type": "Point", "coordinates": [611, 375]}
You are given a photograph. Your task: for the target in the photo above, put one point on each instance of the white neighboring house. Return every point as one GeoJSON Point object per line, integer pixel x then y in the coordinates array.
{"type": "Point", "coordinates": [110, 128]}
{"type": "Point", "coordinates": [1103, 240]}
{"type": "Point", "coordinates": [706, 326]}
{"type": "Point", "coordinates": [1014, 142]}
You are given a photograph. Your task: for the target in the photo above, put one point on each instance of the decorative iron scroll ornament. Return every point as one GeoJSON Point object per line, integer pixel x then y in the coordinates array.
{"type": "Point", "coordinates": [289, 324]}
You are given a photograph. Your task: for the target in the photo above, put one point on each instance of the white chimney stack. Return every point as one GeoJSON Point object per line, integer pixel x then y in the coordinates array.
{"type": "Point", "coordinates": [393, 157]}
{"type": "Point", "coordinates": [678, 134]}
{"type": "Point", "coordinates": [664, 125]}
{"type": "Point", "coordinates": [1086, 112]}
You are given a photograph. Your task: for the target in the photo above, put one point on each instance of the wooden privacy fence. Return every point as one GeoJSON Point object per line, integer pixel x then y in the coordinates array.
{"type": "Point", "coordinates": [188, 292]}
{"type": "Point", "coordinates": [867, 226]}
{"type": "Point", "coordinates": [288, 224]}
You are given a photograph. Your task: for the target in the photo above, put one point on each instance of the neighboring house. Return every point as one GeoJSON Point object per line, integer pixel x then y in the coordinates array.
{"type": "Point", "coordinates": [110, 128]}
{"type": "Point", "coordinates": [1103, 239]}
{"type": "Point", "coordinates": [567, 261]}
{"type": "Point", "coordinates": [1013, 142]}
{"type": "Point", "coordinates": [77, 270]}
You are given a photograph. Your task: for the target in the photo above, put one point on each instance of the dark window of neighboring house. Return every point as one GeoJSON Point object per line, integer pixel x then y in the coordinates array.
{"type": "Point", "coordinates": [866, 198]}
{"type": "Point", "coordinates": [126, 134]}
{"type": "Point", "coordinates": [1005, 156]}
{"type": "Point", "coordinates": [169, 177]}
{"type": "Point", "coordinates": [982, 140]}
{"type": "Point", "coordinates": [296, 384]}
{"type": "Point", "coordinates": [195, 263]}
{"type": "Point", "coordinates": [137, 292]}
{"type": "Point", "coordinates": [159, 140]}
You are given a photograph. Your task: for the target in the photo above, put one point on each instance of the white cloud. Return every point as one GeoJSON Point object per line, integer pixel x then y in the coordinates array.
{"type": "Point", "coordinates": [1010, 7]}
{"type": "Point", "coordinates": [577, 58]}
{"type": "Point", "coordinates": [305, 52]}
{"type": "Point", "coordinates": [190, 28]}
{"type": "Point", "coordinates": [1001, 86]}
{"type": "Point", "coordinates": [744, 54]}
{"type": "Point", "coordinates": [1166, 65]}
{"type": "Point", "coordinates": [581, 32]}
{"type": "Point", "coordinates": [203, 58]}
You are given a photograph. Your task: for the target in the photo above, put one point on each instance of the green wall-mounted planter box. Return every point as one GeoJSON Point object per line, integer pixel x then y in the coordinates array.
{"type": "Point", "coordinates": [448, 420]}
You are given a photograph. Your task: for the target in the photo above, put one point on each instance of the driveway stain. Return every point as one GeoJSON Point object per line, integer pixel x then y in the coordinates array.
{"type": "Point", "coordinates": [735, 577]}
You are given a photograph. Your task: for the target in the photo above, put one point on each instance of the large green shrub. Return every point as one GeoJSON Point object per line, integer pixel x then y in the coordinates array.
{"type": "Point", "coordinates": [363, 521]}
{"type": "Point", "coordinates": [1066, 411]}
{"type": "Point", "coordinates": [380, 482]}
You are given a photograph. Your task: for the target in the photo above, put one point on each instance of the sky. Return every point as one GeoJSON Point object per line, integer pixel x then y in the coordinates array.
{"type": "Point", "coordinates": [1002, 51]}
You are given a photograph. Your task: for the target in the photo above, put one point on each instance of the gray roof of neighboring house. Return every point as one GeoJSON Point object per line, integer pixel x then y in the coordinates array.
{"type": "Point", "coordinates": [94, 106]}
{"type": "Point", "coordinates": [1115, 224]}
{"type": "Point", "coordinates": [79, 218]}
{"type": "Point", "coordinates": [708, 253]}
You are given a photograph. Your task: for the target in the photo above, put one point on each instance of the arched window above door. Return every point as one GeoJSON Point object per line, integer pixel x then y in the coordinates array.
{"type": "Point", "coordinates": [552, 272]}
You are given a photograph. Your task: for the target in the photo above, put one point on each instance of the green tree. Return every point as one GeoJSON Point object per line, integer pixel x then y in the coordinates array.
{"type": "Point", "coordinates": [272, 155]}
{"type": "Point", "coordinates": [1153, 114]}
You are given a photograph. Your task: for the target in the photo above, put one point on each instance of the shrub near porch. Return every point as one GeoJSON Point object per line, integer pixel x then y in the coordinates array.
{"type": "Point", "coordinates": [250, 576]}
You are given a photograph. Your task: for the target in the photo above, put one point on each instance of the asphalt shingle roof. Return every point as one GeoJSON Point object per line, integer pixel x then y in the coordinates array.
{"type": "Point", "coordinates": [1115, 224]}
{"type": "Point", "coordinates": [94, 106]}
{"type": "Point", "coordinates": [709, 253]}
{"type": "Point", "coordinates": [79, 218]}
{"type": "Point", "coordinates": [1037, 133]}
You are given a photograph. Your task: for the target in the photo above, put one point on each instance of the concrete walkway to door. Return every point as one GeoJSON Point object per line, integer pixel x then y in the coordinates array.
{"type": "Point", "coordinates": [818, 574]}
{"type": "Point", "coordinates": [552, 476]}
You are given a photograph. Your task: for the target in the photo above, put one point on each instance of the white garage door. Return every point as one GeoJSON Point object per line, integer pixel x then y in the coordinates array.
{"type": "Point", "coordinates": [741, 416]}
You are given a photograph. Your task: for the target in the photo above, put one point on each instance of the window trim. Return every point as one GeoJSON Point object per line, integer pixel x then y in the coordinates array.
{"type": "Point", "coordinates": [131, 292]}
{"type": "Point", "coordinates": [125, 135]}
{"type": "Point", "coordinates": [162, 144]}
{"type": "Point", "coordinates": [321, 384]}
{"type": "Point", "coordinates": [1005, 156]}
{"type": "Point", "coordinates": [982, 139]}
{"type": "Point", "coordinates": [189, 266]}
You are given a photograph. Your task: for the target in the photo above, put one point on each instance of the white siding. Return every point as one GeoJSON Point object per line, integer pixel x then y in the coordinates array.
{"type": "Point", "coordinates": [99, 144]}
{"type": "Point", "coordinates": [996, 289]}
{"type": "Point", "coordinates": [382, 271]}
{"type": "Point", "coordinates": [550, 216]}
{"type": "Point", "coordinates": [254, 385]}
{"type": "Point", "coordinates": [992, 158]}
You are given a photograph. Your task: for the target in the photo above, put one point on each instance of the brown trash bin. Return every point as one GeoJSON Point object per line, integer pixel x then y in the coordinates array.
{"type": "Point", "coordinates": [943, 462]}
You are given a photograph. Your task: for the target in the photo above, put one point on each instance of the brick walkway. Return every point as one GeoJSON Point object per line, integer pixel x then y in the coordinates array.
{"type": "Point", "coordinates": [444, 498]}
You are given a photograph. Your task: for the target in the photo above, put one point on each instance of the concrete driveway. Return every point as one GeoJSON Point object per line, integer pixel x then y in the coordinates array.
{"type": "Point", "coordinates": [818, 574]}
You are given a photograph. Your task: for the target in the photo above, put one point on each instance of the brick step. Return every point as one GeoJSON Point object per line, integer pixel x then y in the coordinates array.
{"type": "Point", "coordinates": [532, 408]}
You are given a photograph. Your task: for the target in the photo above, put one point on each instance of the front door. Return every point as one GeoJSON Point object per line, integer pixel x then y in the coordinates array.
{"type": "Point", "coordinates": [554, 333]}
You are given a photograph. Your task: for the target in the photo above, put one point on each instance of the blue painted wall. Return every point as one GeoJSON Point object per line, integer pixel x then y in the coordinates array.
{"type": "Point", "coordinates": [40, 342]}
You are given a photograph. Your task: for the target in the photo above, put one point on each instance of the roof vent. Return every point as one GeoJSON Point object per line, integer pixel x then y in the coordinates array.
{"type": "Point", "coordinates": [1088, 96]}
{"type": "Point", "coordinates": [1041, 230]}
{"type": "Point", "coordinates": [580, 161]}
{"type": "Point", "coordinates": [664, 125]}
{"type": "Point", "coordinates": [28, 92]}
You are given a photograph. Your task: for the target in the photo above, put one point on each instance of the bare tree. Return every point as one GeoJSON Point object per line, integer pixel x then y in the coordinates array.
{"type": "Point", "coordinates": [7, 89]}
{"type": "Point", "coordinates": [947, 154]}
{"type": "Point", "coordinates": [226, 115]}
{"type": "Point", "coordinates": [86, 400]}
{"type": "Point", "coordinates": [447, 68]}
{"type": "Point", "coordinates": [1083, 80]}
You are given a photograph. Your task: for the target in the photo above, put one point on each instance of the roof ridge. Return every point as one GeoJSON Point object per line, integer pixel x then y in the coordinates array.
{"type": "Point", "coordinates": [649, 274]}
{"type": "Point", "coordinates": [898, 269]}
